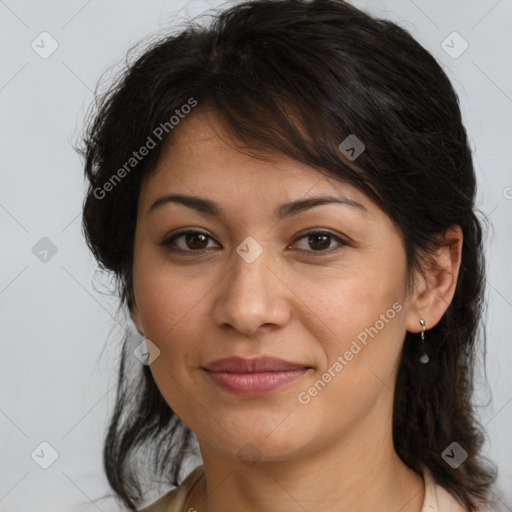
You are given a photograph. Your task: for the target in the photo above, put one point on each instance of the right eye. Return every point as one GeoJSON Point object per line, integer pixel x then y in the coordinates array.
{"type": "Point", "coordinates": [192, 241]}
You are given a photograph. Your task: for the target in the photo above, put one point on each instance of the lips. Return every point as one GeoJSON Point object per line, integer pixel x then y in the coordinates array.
{"type": "Point", "coordinates": [258, 365]}
{"type": "Point", "coordinates": [253, 377]}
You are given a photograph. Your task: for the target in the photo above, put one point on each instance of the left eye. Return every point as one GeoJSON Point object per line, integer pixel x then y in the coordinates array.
{"type": "Point", "coordinates": [320, 241]}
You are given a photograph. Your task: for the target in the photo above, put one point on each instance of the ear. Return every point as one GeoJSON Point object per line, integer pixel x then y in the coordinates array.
{"type": "Point", "coordinates": [135, 313]}
{"type": "Point", "coordinates": [434, 285]}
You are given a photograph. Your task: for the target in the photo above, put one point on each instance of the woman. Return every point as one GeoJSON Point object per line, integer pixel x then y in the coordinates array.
{"type": "Point", "coordinates": [286, 198]}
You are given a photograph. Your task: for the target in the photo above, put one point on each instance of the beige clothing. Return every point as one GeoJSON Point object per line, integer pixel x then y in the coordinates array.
{"type": "Point", "coordinates": [437, 498]}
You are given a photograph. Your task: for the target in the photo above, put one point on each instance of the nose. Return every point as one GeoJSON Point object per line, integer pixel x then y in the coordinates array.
{"type": "Point", "coordinates": [252, 295]}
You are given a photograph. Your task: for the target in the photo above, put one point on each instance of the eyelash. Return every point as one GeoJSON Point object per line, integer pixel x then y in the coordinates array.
{"type": "Point", "coordinates": [167, 243]}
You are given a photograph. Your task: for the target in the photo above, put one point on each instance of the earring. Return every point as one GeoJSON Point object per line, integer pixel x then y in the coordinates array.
{"type": "Point", "coordinates": [424, 358]}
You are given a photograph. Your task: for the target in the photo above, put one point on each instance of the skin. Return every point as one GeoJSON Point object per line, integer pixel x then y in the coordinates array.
{"type": "Point", "coordinates": [292, 302]}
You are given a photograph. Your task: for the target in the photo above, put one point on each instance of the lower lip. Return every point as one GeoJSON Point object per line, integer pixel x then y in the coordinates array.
{"type": "Point", "coordinates": [253, 384]}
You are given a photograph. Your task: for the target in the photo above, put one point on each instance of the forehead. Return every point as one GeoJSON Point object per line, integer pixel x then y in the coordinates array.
{"type": "Point", "coordinates": [202, 158]}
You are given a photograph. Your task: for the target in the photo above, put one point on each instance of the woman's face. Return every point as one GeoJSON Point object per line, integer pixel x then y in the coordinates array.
{"type": "Point", "coordinates": [254, 284]}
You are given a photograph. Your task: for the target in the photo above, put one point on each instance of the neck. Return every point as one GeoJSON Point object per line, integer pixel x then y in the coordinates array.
{"type": "Point", "coordinates": [359, 472]}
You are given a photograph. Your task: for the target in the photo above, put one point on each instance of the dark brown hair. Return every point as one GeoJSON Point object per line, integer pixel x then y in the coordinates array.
{"type": "Point", "coordinates": [298, 77]}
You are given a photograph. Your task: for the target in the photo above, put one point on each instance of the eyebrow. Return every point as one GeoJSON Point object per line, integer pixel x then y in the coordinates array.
{"type": "Point", "coordinates": [282, 211]}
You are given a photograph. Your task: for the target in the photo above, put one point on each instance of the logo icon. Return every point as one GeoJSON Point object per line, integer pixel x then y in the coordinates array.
{"type": "Point", "coordinates": [146, 352]}
{"type": "Point", "coordinates": [44, 455]}
{"type": "Point", "coordinates": [352, 147]}
{"type": "Point", "coordinates": [249, 249]}
{"type": "Point", "coordinates": [454, 45]}
{"type": "Point", "coordinates": [44, 45]}
{"type": "Point", "coordinates": [454, 455]}
{"type": "Point", "coordinates": [249, 454]}
{"type": "Point", "coordinates": [44, 250]}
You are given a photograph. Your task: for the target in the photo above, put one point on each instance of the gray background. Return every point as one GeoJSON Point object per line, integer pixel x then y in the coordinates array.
{"type": "Point", "coordinates": [59, 339]}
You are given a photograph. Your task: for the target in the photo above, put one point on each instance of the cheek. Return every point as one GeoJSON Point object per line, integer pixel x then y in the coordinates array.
{"type": "Point", "coordinates": [173, 307]}
{"type": "Point", "coordinates": [359, 321]}
{"type": "Point", "coordinates": [362, 357]}
{"type": "Point", "coordinates": [167, 298]}
{"type": "Point", "coordinates": [342, 306]}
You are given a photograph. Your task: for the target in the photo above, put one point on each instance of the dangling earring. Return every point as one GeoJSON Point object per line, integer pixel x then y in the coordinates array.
{"type": "Point", "coordinates": [424, 358]}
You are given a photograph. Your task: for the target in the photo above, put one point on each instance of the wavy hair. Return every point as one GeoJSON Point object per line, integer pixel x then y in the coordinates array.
{"type": "Point", "coordinates": [297, 77]}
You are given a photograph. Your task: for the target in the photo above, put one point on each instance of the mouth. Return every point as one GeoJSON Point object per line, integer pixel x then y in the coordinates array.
{"type": "Point", "coordinates": [253, 377]}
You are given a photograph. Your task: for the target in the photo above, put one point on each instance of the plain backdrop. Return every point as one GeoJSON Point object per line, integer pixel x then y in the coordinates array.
{"type": "Point", "coordinates": [59, 339]}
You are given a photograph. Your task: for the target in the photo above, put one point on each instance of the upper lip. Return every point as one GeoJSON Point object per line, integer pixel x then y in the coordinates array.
{"type": "Point", "coordinates": [259, 364]}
